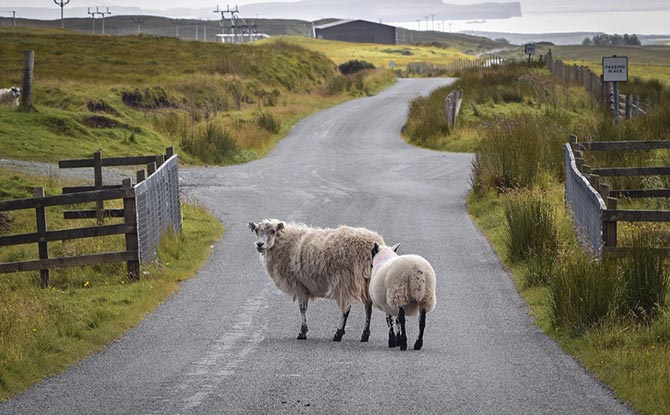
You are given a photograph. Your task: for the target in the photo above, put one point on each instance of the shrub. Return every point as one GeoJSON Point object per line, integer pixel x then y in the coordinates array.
{"type": "Point", "coordinates": [530, 226]}
{"type": "Point", "coordinates": [646, 276]}
{"type": "Point", "coordinates": [353, 66]}
{"type": "Point", "coordinates": [268, 121]}
{"type": "Point", "coordinates": [583, 292]}
{"type": "Point", "coordinates": [211, 144]}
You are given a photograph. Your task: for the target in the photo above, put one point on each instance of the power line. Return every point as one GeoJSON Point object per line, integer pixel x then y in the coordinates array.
{"type": "Point", "coordinates": [97, 12]}
{"type": "Point", "coordinates": [62, 4]}
{"type": "Point", "coordinates": [138, 20]}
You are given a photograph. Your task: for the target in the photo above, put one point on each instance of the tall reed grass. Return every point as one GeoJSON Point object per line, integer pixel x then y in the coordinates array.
{"type": "Point", "coordinates": [583, 292]}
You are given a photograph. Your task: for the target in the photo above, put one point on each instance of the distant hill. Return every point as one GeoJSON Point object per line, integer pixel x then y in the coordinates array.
{"type": "Point", "coordinates": [387, 10]}
{"type": "Point", "coordinates": [187, 29]}
{"type": "Point", "coordinates": [573, 38]}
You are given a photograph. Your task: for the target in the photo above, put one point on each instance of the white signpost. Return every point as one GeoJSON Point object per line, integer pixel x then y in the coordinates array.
{"type": "Point", "coordinates": [615, 70]}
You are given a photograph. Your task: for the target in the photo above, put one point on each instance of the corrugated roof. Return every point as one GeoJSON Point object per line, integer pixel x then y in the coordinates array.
{"type": "Point", "coordinates": [335, 23]}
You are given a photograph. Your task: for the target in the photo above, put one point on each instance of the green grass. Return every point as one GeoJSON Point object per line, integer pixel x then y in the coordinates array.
{"type": "Point", "coordinates": [645, 62]}
{"type": "Point", "coordinates": [132, 95]}
{"type": "Point", "coordinates": [613, 315]}
{"type": "Point", "coordinates": [43, 331]}
{"type": "Point", "coordinates": [379, 55]}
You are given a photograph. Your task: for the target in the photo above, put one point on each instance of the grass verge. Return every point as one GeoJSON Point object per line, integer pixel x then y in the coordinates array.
{"type": "Point", "coordinates": [44, 331]}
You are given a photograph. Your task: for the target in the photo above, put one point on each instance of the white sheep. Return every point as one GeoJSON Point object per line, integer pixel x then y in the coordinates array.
{"type": "Point", "coordinates": [10, 96]}
{"type": "Point", "coordinates": [401, 285]}
{"type": "Point", "coordinates": [307, 263]}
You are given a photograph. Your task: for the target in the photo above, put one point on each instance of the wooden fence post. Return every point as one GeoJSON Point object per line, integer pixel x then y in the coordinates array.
{"type": "Point", "coordinates": [97, 172]}
{"type": "Point", "coordinates": [43, 248]}
{"type": "Point", "coordinates": [610, 228]}
{"type": "Point", "coordinates": [169, 152]}
{"type": "Point", "coordinates": [629, 106]}
{"type": "Point", "coordinates": [27, 91]}
{"type": "Point", "coordinates": [151, 168]}
{"type": "Point", "coordinates": [133, 266]}
{"type": "Point", "coordinates": [140, 176]}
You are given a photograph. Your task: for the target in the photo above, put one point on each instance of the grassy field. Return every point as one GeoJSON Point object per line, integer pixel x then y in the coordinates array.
{"type": "Point", "coordinates": [613, 315]}
{"type": "Point", "coordinates": [129, 95]}
{"type": "Point", "coordinates": [645, 62]}
{"type": "Point", "coordinates": [43, 331]}
{"type": "Point", "coordinates": [379, 55]}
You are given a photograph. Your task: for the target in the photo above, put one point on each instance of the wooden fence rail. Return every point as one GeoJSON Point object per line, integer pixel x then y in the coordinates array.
{"type": "Point", "coordinates": [43, 236]}
{"type": "Point", "coordinates": [612, 215]}
{"type": "Point", "coordinates": [98, 162]}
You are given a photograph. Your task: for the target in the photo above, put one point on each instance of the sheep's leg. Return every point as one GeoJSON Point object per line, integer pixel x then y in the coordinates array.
{"type": "Point", "coordinates": [368, 316]}
{"type": "Point", "coordinates": [302, 303]}
{"type": "Point", "coordinates": [402, 335]}
{"type": "Point", "coordinates": [389, 322]}
{"type": "Point", "coordinates": [340, 331]}
{"type": "Point", "coordinates": [422, 325]}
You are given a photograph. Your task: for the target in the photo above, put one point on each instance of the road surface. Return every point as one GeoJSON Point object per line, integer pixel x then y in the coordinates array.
{"type": "Point", "coordinates": [226, 342]}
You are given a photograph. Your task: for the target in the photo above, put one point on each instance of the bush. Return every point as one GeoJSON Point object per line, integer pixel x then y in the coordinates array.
{"type": "Point", "coordinates": [530, 226]}
{"type": "Point", "coordinates": [211, 144]}
{"type": "Point", "coordinates": [354, 66]}
{"type": "Point", "coordinates": [269, 122]}
{"type": "Point", "coordinates": [583, 292]}
{"type": "Point", "coordinates": [646, 276]}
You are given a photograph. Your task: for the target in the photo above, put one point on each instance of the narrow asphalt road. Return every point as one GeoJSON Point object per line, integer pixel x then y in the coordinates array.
{"type": "Point", "coordinates": [225, 344]}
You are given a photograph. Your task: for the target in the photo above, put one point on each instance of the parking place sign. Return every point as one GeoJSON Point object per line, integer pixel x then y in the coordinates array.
{"type": "Point", "coordinates": [615, 69]}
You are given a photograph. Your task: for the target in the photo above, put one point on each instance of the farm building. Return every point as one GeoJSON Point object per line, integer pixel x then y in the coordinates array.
{"type": "Point", "coordinates": [359, 31]}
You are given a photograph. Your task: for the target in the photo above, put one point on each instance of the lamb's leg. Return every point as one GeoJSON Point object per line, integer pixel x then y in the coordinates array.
{"type": "Point", "coordinates": [302, 303]}
{"type": "Point", "coordinates": [402, 335]}
{"type": "Point", "coordinates": [422, 325]}
{"type": "Point", "coordinates": [368, 316]}
{"type": "Point", "coordinates": [340, 331]}
{"type": "Point", "coordinates": [389, 322]}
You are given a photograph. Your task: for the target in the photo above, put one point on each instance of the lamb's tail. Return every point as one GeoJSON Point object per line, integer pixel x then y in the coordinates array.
{"type": "Point", "coordinates": [417, 285]}
{"type": "Point", "coordinates": [407, 294]}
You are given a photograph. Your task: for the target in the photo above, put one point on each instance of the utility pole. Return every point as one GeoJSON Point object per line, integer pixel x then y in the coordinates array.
{"type": "Point", "coordinates": [138, 20]}
{"type": "Point", "coordinates": [432, 21]}
{"type": "Point", "coordinates": [62, 3]}
{"type": "Point", "coordinates": [176, 25]}
{"type": "Point", "coordinates": [102, 14]}
{"type": "Point", "coordinates": [233, 18]}
{"type": "Point", "coordinates": [418, 24]}
{"type": "Point", "coordinates": [426, 23]}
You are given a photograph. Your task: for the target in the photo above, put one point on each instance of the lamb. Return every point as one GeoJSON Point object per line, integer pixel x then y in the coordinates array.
{"type": "Point", "coordinates": [10, 96]}
{"type": "Point", "coordinates": [308, 263]}
{"type": "Point", "coordinates": [401, 285]}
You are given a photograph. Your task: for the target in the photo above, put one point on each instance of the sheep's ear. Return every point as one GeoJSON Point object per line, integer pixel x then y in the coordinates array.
{"type": "Point", "coordinates": [280, 226]}
{"type": "Point", "coordinates": [252, 226]}
{"type": "Point", "coordinates": [395, 247]}
{"type": "Point", "coordinates": [375, 250]}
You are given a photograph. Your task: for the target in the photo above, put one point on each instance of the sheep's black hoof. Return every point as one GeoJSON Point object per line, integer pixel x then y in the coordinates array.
{"type": "Point", "coordinates": [418, 345]}
{"type": "Point", "coordinates": [303, 332]}
{"type": "Point", "coordinates": [338, 335]}
{"type": "Point", "coordinates": [365, 336]}
{"type": "Point", "coordinates": [392, 341]}
{"type": "Point", "coordinates": [402, 342]}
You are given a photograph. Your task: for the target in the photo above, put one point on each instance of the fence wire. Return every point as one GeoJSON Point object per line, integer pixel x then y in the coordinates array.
{"type": "Point", "coordinates": [585, 203]}
{"type": "Point", "coordinates": [158, 208]}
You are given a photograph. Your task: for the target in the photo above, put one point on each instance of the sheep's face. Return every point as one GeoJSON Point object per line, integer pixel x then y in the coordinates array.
{"type": "Point", "coordinates": [266, 233]}
{"type": "Point", "coordinates": [16, 92]}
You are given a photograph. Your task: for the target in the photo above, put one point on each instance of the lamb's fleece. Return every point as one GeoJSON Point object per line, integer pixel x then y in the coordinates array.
{"type": "Point", "coordinates": [308, 262]}
{"type": "Point", "coordinates": [402, 281]}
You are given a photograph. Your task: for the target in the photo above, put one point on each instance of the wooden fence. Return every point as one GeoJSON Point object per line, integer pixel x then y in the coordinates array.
{"type": "Point", "coordinates": [453, 106]}
{"type": "Point", "coordinates": [612, 215]}
{"type": "Point", "coordinates": [74, 195]}
{"type": "Point", "coordinates": [43, 236]}
{"type": "Point", "coordinates": [627, 106]}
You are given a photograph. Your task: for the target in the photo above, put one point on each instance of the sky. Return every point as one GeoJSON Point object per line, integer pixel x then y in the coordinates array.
{"type": "Point", "coordinates": [539, 16]}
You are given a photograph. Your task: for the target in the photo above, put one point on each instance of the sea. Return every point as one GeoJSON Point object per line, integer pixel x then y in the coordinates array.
{"type": "Point", "coordinates": [638, 22]}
